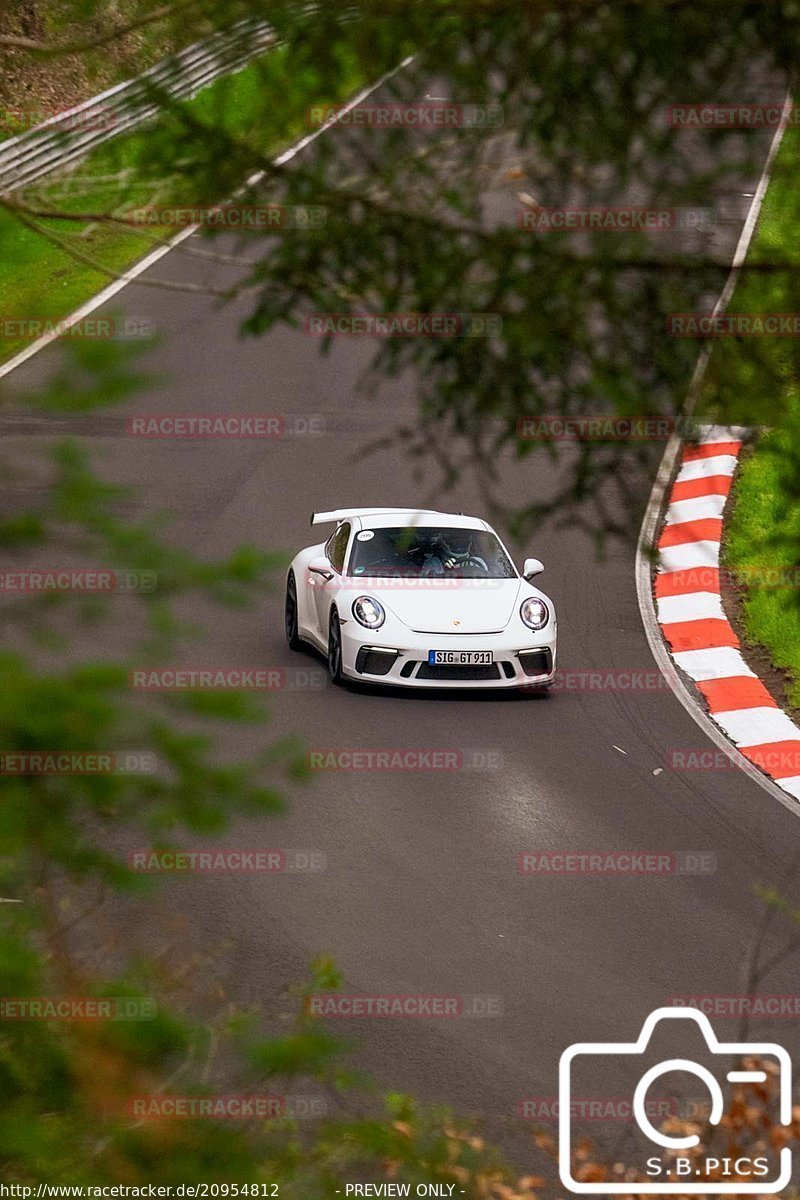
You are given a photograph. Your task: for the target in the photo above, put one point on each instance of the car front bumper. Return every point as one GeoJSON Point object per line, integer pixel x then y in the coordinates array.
{"type": "Point", "coordinates": [517, 663]}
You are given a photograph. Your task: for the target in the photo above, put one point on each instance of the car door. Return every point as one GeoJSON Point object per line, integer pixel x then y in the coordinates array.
{"type": "Point", "coordinates": [326, 590]}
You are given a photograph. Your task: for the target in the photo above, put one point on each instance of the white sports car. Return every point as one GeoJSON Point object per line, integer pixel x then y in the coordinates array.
{"type": "Point", "coordinates": [417, 598]}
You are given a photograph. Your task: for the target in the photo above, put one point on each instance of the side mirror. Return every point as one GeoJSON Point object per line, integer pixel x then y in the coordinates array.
{"type": "Point", "coordinates": [321, 566]}
{"type": "Point", "coordinates": [532, 567]}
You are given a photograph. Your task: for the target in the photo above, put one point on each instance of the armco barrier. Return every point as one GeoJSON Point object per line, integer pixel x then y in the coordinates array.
{"type": "Point", "coordinates": [71, 135]}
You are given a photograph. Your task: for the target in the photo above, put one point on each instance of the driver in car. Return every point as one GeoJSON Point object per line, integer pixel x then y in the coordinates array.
{"type": "Point", "coordinates": [440, 556]}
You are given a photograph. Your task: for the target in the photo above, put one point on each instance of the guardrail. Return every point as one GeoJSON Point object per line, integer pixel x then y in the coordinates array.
{"type": "Point", "coordinates": [74, 133]}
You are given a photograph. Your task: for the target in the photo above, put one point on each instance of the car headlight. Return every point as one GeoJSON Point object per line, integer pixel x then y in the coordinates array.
{"type": "Point", "coordinates": [534, 612]}
{"type": "Point", "coordinates": [369, 612]}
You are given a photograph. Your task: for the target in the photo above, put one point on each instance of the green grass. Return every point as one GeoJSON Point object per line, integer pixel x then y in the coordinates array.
{"type": "Point", "coordinates": [756, 382]}
{"type": "Point", "coordinates": [762, 545]}
{"type": "Point", "coordinates": [749, 380]}
{"type": "Point", "coordinates": [780, 203]}
{"type": "Point", "coordinates": [263, 104]}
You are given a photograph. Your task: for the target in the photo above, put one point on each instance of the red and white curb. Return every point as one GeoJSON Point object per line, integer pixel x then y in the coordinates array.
{"type": "Point", "coordinates": [694, 625]}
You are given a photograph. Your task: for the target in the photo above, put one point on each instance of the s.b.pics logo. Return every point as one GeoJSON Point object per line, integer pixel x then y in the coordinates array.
{"type": "Point", "coordinates": [672, 1158]}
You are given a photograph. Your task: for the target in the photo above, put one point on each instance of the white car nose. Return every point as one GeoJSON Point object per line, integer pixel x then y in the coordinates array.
{"type": "Point", "coordinates": [465, 607]}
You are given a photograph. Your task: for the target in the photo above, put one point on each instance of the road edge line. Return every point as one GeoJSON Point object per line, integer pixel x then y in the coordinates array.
{"type": "Point", "coordinates": [666, 470]}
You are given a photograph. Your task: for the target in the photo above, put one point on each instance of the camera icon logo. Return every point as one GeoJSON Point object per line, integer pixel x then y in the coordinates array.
{"type": "Point", "coordinates": [670, 1172]}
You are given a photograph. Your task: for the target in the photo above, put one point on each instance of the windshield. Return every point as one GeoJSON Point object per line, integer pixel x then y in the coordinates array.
{"type": "Point", "coordinates": [418, 552]}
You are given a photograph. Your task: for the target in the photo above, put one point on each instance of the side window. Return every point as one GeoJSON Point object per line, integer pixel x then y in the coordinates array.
{"type": "Point", "coordinates": [337, 546]}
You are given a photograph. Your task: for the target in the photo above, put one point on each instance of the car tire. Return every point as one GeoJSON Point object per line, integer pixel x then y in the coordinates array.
{"type": "Point", "coordinates": [290, 614]}
{"type": "Point", "coordinates": [335, 650]}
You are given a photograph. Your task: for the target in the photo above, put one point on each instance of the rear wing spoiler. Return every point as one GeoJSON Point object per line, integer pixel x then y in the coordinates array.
{"type": "Point", "coordinates": [342, 514]}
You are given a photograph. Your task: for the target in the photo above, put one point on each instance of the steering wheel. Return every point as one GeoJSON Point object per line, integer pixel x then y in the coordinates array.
{"type": "Point", "coordinates": [466, 560]}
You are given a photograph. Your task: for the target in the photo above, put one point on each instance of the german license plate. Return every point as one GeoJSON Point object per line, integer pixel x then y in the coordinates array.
{"type": "Point", "coordinates": [449, 658]}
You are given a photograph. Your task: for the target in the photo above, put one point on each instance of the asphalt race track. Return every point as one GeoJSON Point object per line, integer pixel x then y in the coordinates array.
{"type": "Point", "coordinates": [422, 892]}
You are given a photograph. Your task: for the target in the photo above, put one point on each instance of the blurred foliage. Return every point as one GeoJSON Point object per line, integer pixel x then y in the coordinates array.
{"type": "Point", "coordinates": [69, 1090]}
{"type": "Point", "coordinates": [415, 223]}
{"type": "Point", "coordinates": [425, 222]}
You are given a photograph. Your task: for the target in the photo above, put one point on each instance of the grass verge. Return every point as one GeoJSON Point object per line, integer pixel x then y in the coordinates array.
{"type": "Point", "coordinates": [761, 549]}
{"type": "Point", "coordinates": [756, 382]}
